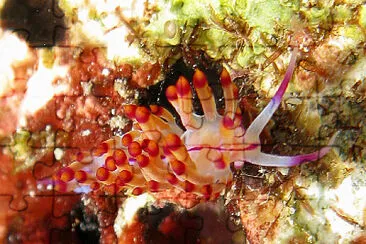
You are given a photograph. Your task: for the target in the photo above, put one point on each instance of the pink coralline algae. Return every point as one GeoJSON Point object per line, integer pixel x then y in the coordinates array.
{"type": "Point", "coordinates": [157, 154]}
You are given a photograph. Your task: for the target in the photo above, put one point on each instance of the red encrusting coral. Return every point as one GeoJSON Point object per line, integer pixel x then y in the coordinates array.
{"type": "Point", "coordinates": [67, 115]}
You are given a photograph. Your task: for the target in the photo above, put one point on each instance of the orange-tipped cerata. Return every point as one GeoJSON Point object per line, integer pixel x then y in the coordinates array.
{"type": "Point", "coordinates": [111, 188]}
{"type": "Point", "coordinates": [225, 78]}
{"type": "Point", "coordinates": [126, 139]}
{"type": "Point", "coordinates": [110, 163]}
{"type": "Point", "coordinates": [157, 110]}
{"type": "Point", "coordinates": [227, 122]}
{"type": "Point", "coordinates": [120, 157]}
{"type": "Point", "coordinates": [206, 190]}
{"type": "Point", "coordinates": [137, 191]}
{"type": "Point", "coordinates": [178, 167]}
{"type": "Point", "coordinates": [95, 186]}
{"type": "Point", "coordinates": [134, 149]}
{"type": "Point", "coordinates": [142, 160]}
{"type": "Point", "coordinates": [67, 174]}
{"type": "Point", "coordinates": [171, 93]}
{"type": "Point", "coordinates": [153, 185]}
{"type": "Point", "coordinates": [183, 87]}
{"type": "Point", "coordinates": [188, 186]}
{"type": "Point", "coordinates": [142, 114]}
{"type": "Point", "coordinates": [152, 148]}
{"type": "Point", "coordinates": [173, 142]}
{"type": "Point", "coordinates": [81, 176]}
{"type": "Point", "coordinates": [102, 174]}
{"type": "Point", "coordinates": [130, 110]}
{"type": "Point", "coordinates": [172, 179]}
{"type": "Point", "coordinates": [101, 149]}
{"type": "Point", "coordinates": [199, 79]}
{"type": "Point", "coordinates": [125, 176]}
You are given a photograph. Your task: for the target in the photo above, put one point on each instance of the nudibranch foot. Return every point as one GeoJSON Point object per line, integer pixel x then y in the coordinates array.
{"type": "Point", "coordinates": [157, 154]}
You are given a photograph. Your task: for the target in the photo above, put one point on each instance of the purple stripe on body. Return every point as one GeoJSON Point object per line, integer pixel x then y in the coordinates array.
{"type": "Point", "coordinates": [198, 148]}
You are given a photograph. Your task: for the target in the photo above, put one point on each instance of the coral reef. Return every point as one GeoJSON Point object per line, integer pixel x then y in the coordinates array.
{"type": "Point", "coordinates": [102, 55]}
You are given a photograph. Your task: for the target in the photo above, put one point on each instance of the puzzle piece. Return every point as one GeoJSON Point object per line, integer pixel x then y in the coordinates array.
{"type": "Point", "coordinates": [27, 224]}
{"type": "Point", "coordinates": [41, 23]}
{"type": "Point", "coordinates": [169, 223]}
{"type": "Point", "coordinates": [10, 108]}
{"type": "Point", "coordinates": [21, 199]}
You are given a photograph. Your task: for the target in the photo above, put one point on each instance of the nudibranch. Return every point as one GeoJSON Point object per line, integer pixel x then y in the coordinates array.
{"type": "Point", "coordinates": [157, 154]}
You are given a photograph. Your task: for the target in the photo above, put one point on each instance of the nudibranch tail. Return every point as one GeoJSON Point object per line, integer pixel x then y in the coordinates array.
{"type": "Point", "coordinates": [157, 154]}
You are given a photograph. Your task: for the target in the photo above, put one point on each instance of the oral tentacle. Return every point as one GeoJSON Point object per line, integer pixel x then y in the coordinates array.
{"type": "Point", "coordinates": [253, 131]}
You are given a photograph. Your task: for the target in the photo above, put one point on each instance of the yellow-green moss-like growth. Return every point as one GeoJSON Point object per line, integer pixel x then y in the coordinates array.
{"type": "Point", "coordinates": [362, 16]}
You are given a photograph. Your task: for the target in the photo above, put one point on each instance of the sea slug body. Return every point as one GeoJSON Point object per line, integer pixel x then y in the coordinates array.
{"type": "Point", "coordinates": [157, 154]}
